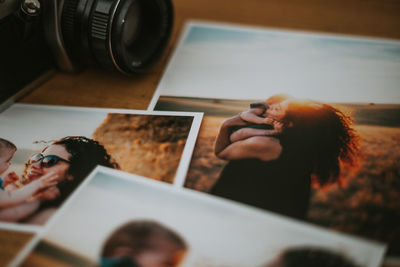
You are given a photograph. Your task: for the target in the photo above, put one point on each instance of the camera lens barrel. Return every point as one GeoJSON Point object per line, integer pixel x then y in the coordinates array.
{"type": "Point", "coordinates": [30, 7]}
{"type": "Point", "coordinates": [125, 35]}
{"type": "Point", "coordinates": [100, 31]}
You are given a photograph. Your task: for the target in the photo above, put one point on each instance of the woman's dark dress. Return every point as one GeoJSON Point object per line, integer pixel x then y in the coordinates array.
{"type": "Point", "coordinates": [281, 186]}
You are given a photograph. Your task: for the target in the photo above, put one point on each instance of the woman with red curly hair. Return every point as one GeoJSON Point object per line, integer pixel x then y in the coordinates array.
{"type": "Point", "coordinates": [272, 168]}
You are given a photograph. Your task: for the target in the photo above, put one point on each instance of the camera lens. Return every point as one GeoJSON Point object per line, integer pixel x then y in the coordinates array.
{"type": "Point", "coordinates": [127, 35]}
{"type": "Point", "coordinates": [130, 30]}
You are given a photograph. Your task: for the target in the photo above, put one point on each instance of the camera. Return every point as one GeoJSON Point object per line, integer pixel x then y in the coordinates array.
{"type": "Point", "coordinates": [127, 36]}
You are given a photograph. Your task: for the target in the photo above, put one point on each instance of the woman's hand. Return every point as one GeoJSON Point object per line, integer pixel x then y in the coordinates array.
{"type": "Point", "coordinates": [45, 187]}
{"type": "Point", "coordinates": [264, 148]}
{"type": "Point", "coordinates": [248, 132]}
{"type": "Point", "coordinates": [48, 180]}
{"type": "Point", "coordinates": [48, 194]}
{"type": "Point", "coordinates": [222, 140]}
{"type": "Point", "coordinates": [254, 115]}
{"type": "Point", "coordinates": [278, 126]}
{"type": "Point", "coordinates": [251, 116]}
{"type": "Point", "coordinates": [247, 117]}
{"type": "Point", "coordinates": [10, 179]}
{"type": "Point", "coordinates": [245, 133]}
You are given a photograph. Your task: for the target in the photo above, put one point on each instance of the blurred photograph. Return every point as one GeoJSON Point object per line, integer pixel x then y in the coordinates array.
{"type": "Point", "coordinates": [310, 256]}
{"type": "Point", "coordinates": [188, 228]}
{"type": "Point", "coordinates": [143, 243]}
{"type": "Point", "coordinates": [306, 125]}
{"type": "Point", "coordinates": [46, 153]}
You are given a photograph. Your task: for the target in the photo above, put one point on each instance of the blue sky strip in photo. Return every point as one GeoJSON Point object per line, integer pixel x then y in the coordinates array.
{"type": "Point", "coordinates": [227, 62]}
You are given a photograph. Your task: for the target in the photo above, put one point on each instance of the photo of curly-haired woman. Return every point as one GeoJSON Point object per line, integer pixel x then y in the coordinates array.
{"type": "Point", "coordinates": [273, 169]}
{"type": "Point", "coordinates": [302, 124]}
{"type": "Point", "coordinates": [47, 152]}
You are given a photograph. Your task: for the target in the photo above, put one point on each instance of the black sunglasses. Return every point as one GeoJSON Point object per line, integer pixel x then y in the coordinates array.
{"type": "Point", "coordinates": [46, 161]}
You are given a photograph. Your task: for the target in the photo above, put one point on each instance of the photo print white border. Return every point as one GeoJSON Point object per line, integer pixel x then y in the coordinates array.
{"type": "Point", "coordinates": [163, 89]}
{"type": "Point", "coordinates": [180, 172]}
{"type": "Point", "coordinates": [375, 249]}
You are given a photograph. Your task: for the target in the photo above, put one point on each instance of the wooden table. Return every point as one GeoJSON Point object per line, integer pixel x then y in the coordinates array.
{"type": "Point", "coordinates": [97, 88]}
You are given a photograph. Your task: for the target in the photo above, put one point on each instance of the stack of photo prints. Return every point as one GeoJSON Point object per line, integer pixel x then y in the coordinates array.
{"type": "Point", "coordinates": [261, 147]}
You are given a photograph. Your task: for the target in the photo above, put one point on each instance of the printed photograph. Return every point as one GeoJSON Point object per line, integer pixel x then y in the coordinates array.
{"type": "Point", "coordinates": [187, 229]}
{"type": "Point", "coordinates": [305, 125]}
{"type": "Point", "coordinates": [46, 152]}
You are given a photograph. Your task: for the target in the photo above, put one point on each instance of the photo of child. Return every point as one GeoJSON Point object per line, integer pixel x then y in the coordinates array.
{"type": "Point", "coordinates": [145, 244]}
{"type": "Point", "coordinates": [47, 152]}
{"type": "Point", "coordinates": [50, 177]}
{"type": "Point", "coordinates": [20, 202]}
{"type": "Point", "coordinates": [38, 176]}
{"type": "Point", "coordinates": [187, 229]}
{"type": "Point", "coordinates": [310, 256]}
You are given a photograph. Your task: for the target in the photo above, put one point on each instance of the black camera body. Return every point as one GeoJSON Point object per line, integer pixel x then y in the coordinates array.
{"type": "Point", "coordinates": [23, 57]}
{"type": "Point", "coordinates": [128, 36]}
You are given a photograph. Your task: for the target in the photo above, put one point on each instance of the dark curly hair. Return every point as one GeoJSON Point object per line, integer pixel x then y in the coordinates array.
{"type": "Point", "coordinates": [141, 235]}
{"type": "Point", "coordinates": [324, 135]}
{"type": "Point", "coordinates": [314, 257]}
{"type": "Point", "coordinates": [86, 154]}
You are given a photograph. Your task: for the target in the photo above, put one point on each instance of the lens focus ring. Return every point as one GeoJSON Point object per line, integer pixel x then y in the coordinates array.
{"type": "Point", "coordinates": [129, 36]}
{"type": "Point", "coordinates": [99, 26]}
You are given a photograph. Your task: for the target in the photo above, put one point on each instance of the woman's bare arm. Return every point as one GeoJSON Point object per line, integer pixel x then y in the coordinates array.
{"type": "Point", "coordinates": [223, 138]}
{"type": "Point", "coordinates": [254, 115]}
{"type": "Point", "coordinates": [12, 198]}
{"type": "Point", "coordinates": [264, 148]}
{"type": "Point", "coordinates": [9, 180]}
{"type": "Point", "coordinates": [42, 217]}
{"type": "Point", "coordinates": [251, 116]}
{"type": "Point", "coordinates": [245, 133]}
{"type": "Point", "coordinates": [17, 213]}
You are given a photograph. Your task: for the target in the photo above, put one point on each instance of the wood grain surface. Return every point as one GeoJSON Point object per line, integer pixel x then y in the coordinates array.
{"type": "Point", "coordinates": [98, 88]}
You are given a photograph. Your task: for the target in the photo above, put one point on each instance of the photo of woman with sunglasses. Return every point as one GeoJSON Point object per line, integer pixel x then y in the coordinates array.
{"type": "Point", "coordinates": [70, 159]}
{"type": "Point", "coordinates": [20, 202]}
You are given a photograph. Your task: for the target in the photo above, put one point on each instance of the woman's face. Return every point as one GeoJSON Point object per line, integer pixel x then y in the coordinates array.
{"type": "Point", "coordinates": [35, 170]}
{"type": "Point", "coordinates": [278, 111]}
